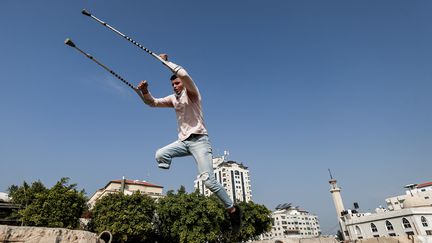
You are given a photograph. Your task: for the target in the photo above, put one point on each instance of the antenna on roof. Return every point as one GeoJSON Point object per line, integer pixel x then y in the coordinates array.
{"type": "Point", "coordinates": [410, 187]}
{"type": "Point", "coordinates": [331, 176]}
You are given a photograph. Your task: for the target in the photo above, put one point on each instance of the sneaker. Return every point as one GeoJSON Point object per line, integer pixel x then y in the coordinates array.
{"type": "Point", "coordinates": [235, 219]}
{"type": "Point", "coordinates": [164, 166]}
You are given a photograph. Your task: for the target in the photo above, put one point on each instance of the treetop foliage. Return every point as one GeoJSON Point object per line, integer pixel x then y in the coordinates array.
{"type": "Point", "coordinates": [177, 217]}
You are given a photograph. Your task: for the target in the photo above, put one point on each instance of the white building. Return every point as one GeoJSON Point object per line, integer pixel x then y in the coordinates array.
{"type": "Point", "coordinates": [6, 210]}
{"type": "Point", "coordinates": [409, 214]}
{"type": "Point", "coordinates": [233, 176]}
{"type": "Point", "coordinates": [292, 222]}
{"type": "Point", "coordinates": [421, 190]}
{"type": "Point", "coordinates": [128, 187]}
{"type": "Point", "coordinates": [4, 197]}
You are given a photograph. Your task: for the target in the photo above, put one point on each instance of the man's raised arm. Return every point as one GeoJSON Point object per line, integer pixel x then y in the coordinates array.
{"type": "Point", "coordinates": [149, 99]}
{"type": "Point", "coordinates": [181, 73]}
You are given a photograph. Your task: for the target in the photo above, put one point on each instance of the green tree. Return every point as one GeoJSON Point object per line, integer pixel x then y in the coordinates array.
{"type": "Point", "coordinates": [191, 217]}
{"type": "Point", "coordinates": [25, 194]}
{"type": "Point", "coordinates": [256, 220]}
{"type": "Point", "coordinates": [60, 206]}
{"type": "Point", "coordinates": [128, 217]}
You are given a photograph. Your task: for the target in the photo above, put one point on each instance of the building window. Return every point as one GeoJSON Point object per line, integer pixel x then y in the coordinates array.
{"type": "Point", "coordinates": [424, 221]}
{"type": "Point", "coordinates": [357, 230]}
{"type": "Point", "coordinates": [406, 224]}
{"type": "Point", "coordinates": [389, 226]}
{"type": "Point", "coordinates": [392, 234]}
{"type": "Point", "coordinates": [376, 236]}
{"type": "Point", "coordinates": [373, 227]}
{"type": "Point", "coordinates": [410, 233]}
{"type": "Point", "coordinates": [428, 232]}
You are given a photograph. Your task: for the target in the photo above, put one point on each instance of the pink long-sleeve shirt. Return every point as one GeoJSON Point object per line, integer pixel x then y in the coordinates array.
{"type": "Point", "coordinates": [187, 105]}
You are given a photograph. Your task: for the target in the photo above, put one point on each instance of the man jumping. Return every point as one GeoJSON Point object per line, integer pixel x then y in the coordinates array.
{"type": "Point", "coordinates": [192, 137]}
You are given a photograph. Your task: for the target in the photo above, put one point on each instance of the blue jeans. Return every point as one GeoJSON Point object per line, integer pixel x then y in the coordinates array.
{"type": "Point", "coordinates": [197, 145]}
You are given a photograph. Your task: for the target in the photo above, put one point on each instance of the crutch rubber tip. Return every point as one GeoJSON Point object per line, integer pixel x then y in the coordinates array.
{"type": "Point", "coordinates": [85, 12]}
{"type": "Point", "coordinates": [69, 42]}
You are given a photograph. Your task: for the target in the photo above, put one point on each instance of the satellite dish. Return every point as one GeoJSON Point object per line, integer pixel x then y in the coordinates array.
{"type": "Point", "coordinates": [410, 186]}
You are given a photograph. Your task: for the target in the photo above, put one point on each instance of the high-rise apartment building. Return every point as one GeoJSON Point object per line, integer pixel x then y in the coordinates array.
{"type": "Point", "coordinates": [233, 176]}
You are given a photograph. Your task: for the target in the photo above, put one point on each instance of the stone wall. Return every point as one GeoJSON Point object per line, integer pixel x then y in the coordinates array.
{"type": "Point", "coordinates": [46, 235]}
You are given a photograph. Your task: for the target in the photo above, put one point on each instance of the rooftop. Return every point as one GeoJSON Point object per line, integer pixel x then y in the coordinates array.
{"type": "Point", "coordinates": [135, 182]}
{"type": "Point", "coordinates": [230, 162]}
{"type": "Point", "coordinates": [426, 184]}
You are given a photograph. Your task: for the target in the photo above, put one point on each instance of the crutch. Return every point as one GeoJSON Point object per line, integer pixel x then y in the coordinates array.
{"type": "Point", "coordinates": [173, 69]}
{"type": "Point", "coordinates": [71, 44]}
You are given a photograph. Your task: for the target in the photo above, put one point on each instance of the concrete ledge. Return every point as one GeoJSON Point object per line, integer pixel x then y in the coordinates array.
{"type": "Point", "coordinates": [46, 235]}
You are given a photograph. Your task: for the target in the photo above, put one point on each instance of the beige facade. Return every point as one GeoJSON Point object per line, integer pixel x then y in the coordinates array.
{"type": "Point", "coordinates": [421, 192]}
{"type": "Point", "coordinates": [128, 187]}
{"type": "Point", "coordinates": [405, 215]}
{"type": "Point", "coordinates": [292, 222]}
{"type": "Point", "coordinates": [403, 222]}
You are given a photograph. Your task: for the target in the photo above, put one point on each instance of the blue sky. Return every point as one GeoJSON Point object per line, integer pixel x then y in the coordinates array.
{"type": "Point", "coordinates": [290, 88]}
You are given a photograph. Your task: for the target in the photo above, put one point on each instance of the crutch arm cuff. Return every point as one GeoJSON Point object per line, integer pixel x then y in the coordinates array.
{"type": "Point", "coordinates": [173, 67]}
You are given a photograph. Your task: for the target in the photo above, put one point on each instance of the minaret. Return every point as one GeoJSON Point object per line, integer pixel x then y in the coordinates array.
{"type": "Point", "coordinates": [337, 199]}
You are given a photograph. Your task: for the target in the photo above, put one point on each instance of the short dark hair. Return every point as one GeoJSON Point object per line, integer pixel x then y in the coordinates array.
{"type": "Point", "coordinates": [173, 77]}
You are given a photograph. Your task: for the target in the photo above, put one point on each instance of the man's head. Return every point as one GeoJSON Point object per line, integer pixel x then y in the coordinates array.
{"type": "Point", "coordinates": [177, 84]}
